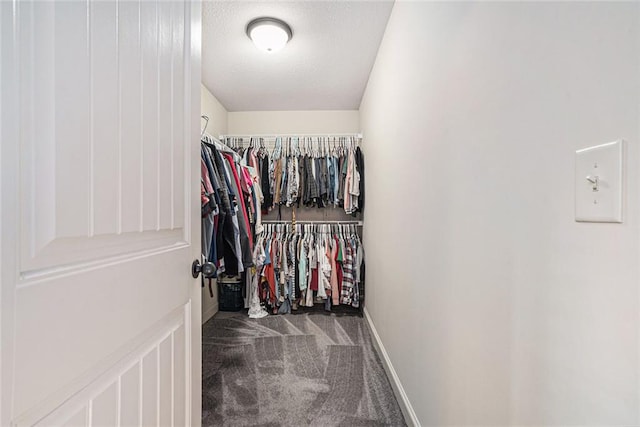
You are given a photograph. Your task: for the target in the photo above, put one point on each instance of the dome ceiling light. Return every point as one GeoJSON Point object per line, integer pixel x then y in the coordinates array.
{"type": "Point", "coordinates": [269, 34]}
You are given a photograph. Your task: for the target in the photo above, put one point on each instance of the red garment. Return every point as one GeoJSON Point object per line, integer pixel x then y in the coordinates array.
{"type": "Point", "coordinates": [204, 175]}
{"type": "Point", "coordinates": [205, 184]}
{"type": "Point", "coordinates": [314, 279]}
{"type": "Point", "coordinates": [335, 291]}
{"type": "Point", "coordinates": [203, 197]}
{"type": "Point", "coordinates": [270, 277]}
{"type": "Point", "coordinates": [248, 183]}
{"type": "Point", "coordinates": [253, 161]}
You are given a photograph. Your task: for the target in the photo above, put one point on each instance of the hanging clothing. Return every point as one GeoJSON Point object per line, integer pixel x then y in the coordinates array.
{"type": "Point", "coordinates": [287, 268]}
{"type": "Point", "coordinates": [302, 267]}
{"type": "Point", "coordinates": [360, 167]}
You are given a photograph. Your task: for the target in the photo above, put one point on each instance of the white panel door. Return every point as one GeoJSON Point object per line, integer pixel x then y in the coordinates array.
{"type": "Point", "coordinates": [99, 213]}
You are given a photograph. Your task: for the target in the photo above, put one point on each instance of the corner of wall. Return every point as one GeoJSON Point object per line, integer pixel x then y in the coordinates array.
{"type": "Point", "coordinates": [209, 312]}
{"type": "Point", "coordinates": [217, 113]}
{"type": "Point", "coordinates": [403, 400]}
{"type": "Point", "coordinates": [217, 125]}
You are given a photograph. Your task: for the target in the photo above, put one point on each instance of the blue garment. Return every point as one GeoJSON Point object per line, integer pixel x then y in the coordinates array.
{"type": "Point", "coordinates": [276, 272]}
{"type": "Point", "coordinates": [332, 174]}
{"type": "Point", "coordinates": [336, 182]}
{"type": "Point", "coordinates": [204, 153]}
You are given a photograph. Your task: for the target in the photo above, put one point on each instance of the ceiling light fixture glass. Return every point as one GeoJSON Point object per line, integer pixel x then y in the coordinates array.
{"type": "Point", "coordinates": [269, 34]}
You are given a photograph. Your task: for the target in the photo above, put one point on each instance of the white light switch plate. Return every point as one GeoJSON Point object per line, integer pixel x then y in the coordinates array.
{"type": "Point", "coordinates": [599, 183]}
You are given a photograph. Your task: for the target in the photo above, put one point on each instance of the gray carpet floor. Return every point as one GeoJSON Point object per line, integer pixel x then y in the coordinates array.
{"type": "Point", "coordinates": [293, 370]}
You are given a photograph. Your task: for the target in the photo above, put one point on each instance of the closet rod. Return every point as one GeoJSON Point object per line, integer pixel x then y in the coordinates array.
{"type": "Point", "coordinates": [205, 137]}
{"type": "Point", "coordinates": [293, 135]}
{"type": "Point", "coordinates": [313, 222]}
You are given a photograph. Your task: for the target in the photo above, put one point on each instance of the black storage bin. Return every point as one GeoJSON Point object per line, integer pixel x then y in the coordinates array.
{"type": "Point", "coordinates": [230, 293]}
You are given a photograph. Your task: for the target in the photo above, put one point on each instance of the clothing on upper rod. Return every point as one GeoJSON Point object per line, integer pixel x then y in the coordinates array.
{"type": "Point", "coordinates": [309, 171]}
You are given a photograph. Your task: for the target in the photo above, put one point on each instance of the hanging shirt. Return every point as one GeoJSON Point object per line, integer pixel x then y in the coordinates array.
{"type": "Point", "coordinates": [348, 200]}
{"type": "Point", "coordinates": [277, 181]}
{"type": "Point", "coordinates": [246, 238]}
{"type": "Point", "coordinates": [227, 238]}
{"type": "Point", "coordinates": [347, 279]}
{"type": "Point", "coordinates": [333, 253]}
{"type": "Point", "coordinates": [258, 198]}
{"type": "Point", "coordinates": [302, 267]}
{"type": "Point", "coordinates": [233, 190]}
{"type": "Point", "coordinates": [339, 266]}
{"type": "Point", "coordinates": [354, 191]}
{"type": "Point", "coordinates": [331, 180]}
{"type": "Point", "coordinates": [357, 266]}
{"type": "Point", "coordinates": [265, 180]}
{"type": "Point", "coordinates": [323, 280]}
{"type": "Point", "coordinates": [293, 181]}
{"type": "Point", "coordinates": [360, 167]}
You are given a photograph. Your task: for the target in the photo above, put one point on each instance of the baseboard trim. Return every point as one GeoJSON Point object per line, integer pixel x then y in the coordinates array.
{"type": "Point", "coordinates": [405, 405]}
{"type": "Point", "coordinates": [211, 311]}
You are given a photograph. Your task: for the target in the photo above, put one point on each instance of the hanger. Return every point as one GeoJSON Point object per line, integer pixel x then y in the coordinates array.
{"type": "Point", "coordinates": [296, 146]}
{"type": "Point", "coordinates": [208, 139]}
{"type": "Point", "coordinates": [206, 123]}
{"type": "Point", "coordinates": [277, 149]}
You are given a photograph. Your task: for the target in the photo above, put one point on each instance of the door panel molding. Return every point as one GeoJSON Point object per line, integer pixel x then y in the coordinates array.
{"type": "Point", "coordinates": [79, 151]}
{"type": "Point", "coordinates": [115, 371]}
{"type": "Point", "coordinates": [64, 253]}
{"type": "Point", "coordinates": [98, 212]}
{"type": "Point", "coordinates": [37, 276]}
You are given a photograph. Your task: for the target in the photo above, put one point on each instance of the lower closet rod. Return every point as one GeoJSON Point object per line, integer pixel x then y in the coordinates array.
{"type": "Point", "coordinates": [312, 222]}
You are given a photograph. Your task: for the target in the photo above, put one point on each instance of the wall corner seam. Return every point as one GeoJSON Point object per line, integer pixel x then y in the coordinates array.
{"type": "Point", "coordinates": [403, 400]}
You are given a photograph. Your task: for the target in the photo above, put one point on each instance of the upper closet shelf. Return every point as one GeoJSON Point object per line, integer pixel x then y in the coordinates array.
{"type": "Point", "coordinates": [296, 135]}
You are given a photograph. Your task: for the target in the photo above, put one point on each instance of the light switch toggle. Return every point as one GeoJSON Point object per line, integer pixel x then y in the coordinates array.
{"type": "Point", "coordinates": [595, 181]}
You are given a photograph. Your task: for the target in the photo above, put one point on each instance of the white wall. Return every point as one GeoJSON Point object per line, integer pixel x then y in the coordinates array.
{"type": "Point", "coordinates": [291, 122]}
{"type": "Point", "coordinates": [495, 306]}
{"type": "Point", "coordinates": [217, 114]}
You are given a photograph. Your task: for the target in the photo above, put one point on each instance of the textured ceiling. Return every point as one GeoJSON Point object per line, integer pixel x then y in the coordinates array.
{"type": "Point", "coordinates": [325, 66]}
